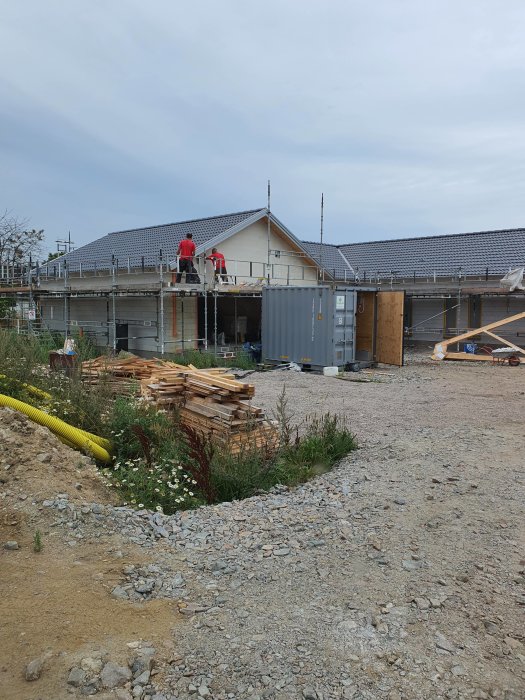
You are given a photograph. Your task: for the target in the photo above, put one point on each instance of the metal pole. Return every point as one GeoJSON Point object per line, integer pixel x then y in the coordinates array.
{"type": "Point", "coordinates": [321, 249]}
{"type": "Point", "coordinates": [182, 323]}
{"type": "Point", "coordinates": [235, 318]}
{"type": "Point", "coordinates": [458, 312]}
{"type": "Point", "coordinates": [205, 318]}
{"type": "Point", "coordinates": [29, 319]}
{"type": "Point", "coordinates": [215, 320]}
{"type": "Point", "coordinates": [107, 322]}
{"type": "Point", "coordinates": [113, 305]}
{"type": "Point", "coordinates": [161, 294]}
{"type": "Point", "coordinates": [268, 235]}
{"type": "Point", "coordinates": [66, 314]}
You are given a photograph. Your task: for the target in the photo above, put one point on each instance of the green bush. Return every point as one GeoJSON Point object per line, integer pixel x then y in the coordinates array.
{"type": "Point", "coordinates": [22, 356]}
{"type": "Point", "coordinates": [86, 407]}
{"type": "Point", "coordinates": [325, 441]}
{"type": "Point", "coordinates": [149, 453]}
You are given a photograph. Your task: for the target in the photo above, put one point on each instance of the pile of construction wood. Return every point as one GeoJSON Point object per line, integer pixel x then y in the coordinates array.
{"type": "Point", "coordinates": [211, 401]}
{"type": "Point", "coordinates": [121, 375]}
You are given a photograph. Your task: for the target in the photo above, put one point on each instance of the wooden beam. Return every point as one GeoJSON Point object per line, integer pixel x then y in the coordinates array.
{"type": "Point", "coordinates": [473, 358]}
{"type": "Point", "coordinates": [440, 349]}
{"type": "Point", "coordinates": [506, 343]}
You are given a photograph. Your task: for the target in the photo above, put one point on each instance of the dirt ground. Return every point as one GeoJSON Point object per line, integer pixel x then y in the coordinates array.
{"type": "Point", "coordinates": [56, 605]}
{"type": "Point", "coordinates": [439, 473]}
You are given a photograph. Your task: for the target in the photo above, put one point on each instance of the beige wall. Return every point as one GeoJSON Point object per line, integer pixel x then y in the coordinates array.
{"type": "Point", "coordinates": [141, 315]}
{"type": "Point", "coordinates": [251, 245]}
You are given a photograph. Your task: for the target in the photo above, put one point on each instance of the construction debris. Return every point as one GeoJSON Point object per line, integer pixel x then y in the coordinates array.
{"type": "Point", "coordinates": [210, 401]}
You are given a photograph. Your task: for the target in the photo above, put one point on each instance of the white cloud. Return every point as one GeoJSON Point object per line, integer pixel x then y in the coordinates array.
{"type": "Point", "coordinates": [406, 114]}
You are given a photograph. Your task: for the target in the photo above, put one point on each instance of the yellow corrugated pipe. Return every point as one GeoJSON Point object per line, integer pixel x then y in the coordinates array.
{"type": "Point", "coordinates": [80, 438]}
{"type": "Point", "coordinates": [33, 389]}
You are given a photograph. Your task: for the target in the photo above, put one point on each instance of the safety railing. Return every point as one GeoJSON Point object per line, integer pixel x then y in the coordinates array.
{"type": "Point", "coordinates": [396, 278]}
{"type": "Point", "coordinates": [279, 271]}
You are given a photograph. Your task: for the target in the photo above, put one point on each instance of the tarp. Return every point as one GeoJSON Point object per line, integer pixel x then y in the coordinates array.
{"type": "Point", "coordinates": [513, 279]}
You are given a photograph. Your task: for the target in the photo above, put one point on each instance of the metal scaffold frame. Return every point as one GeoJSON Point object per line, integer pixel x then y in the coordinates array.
{"type": "Point", "coordinates": [108, 328]}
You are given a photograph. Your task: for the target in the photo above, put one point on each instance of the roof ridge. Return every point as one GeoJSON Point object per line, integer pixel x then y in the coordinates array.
{"type": "Point", "coordinates": [433, 236]}
{"type": "Point", "coordinates": [333, 245]}
{"type": "Point", "coordinates": [187, 221]}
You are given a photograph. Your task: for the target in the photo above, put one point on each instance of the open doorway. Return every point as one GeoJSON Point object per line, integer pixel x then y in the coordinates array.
{"type": "Point", "coordinates": [238, 320]}
{"type": "Point", "coordinates": [365, 318]}
{"type": "Point", "coordinates": [379, 327]}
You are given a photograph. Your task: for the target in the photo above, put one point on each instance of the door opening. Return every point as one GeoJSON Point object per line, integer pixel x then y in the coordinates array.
{"type": "Point", "coordinates": [365, 315]}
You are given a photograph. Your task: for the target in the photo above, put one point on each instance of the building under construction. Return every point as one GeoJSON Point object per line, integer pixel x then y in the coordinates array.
{"type": "Point", "coordinates": [121, 289]}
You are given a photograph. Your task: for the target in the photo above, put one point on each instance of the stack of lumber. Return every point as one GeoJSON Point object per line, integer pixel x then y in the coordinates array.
{"type": "Point", "coordinates": [122, 375]}
{"type": "Point", "coordinates": [211, 401]}
{"type": "Point", "coordinates": [167, 385]}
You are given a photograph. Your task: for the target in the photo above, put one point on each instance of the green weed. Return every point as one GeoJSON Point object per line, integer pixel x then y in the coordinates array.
{"type": "Point", "coordinates": [37, 542]}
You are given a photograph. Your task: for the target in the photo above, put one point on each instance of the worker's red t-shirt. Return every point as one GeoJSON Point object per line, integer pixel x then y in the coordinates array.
{"type": "Point", "coordinates": [187, 249]}
{"type": "Point", "coordinates": [218, 261]}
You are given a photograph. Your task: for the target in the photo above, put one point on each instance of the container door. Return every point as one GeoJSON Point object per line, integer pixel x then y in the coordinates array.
{"type": "Point", "coordinates": [389, 328]}
{"type": "Point", "coordinates": [344, 325]}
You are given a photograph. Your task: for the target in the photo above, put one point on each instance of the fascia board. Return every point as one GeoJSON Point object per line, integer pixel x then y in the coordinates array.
{"type": "Point", "coordinates": [346, 261]}
{"type": "Point", "coordinates": [213, 242]}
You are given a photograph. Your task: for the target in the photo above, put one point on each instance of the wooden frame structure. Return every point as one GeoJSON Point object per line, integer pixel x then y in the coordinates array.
{"type": "Point", "coordinates": [441, 349]}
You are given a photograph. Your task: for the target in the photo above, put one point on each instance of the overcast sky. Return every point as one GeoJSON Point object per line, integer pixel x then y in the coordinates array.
{"type": "Point", "coordinates": [407, 114]}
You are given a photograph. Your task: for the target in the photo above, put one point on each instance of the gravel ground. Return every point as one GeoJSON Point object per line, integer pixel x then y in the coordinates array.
{"type": "Point", "coordinates": [400, 575]}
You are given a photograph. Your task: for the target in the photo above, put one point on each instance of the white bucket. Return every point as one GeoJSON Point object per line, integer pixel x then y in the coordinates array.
{"type": "Point", "coordinates": [330, 371]}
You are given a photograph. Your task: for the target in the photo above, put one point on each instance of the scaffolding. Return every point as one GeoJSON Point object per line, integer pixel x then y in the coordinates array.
{"type": "Point", "coordinates": [156, 280]}
{"type": "Point", "coordinates": [155, 277]}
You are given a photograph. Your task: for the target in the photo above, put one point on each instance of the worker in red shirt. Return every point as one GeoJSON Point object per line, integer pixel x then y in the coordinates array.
{"type": "Point", "coordinates": [219, 265]}
{"type": "Point", "coordinates": [185, 252]}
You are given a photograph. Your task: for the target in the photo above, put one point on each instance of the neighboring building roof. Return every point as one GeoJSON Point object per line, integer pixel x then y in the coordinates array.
{"type": "Point", "coordinates": [445, 255]}
{"type": "Point", "coordinates": [332, 259]}
{"type": "Point", "coordinates": [138, 243]}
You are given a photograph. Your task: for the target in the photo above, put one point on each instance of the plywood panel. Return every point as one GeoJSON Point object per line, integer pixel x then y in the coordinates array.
{"type": "Point", "coordinates": [389, 328]}
{"type": "Point", "coordinates": [364, 326]}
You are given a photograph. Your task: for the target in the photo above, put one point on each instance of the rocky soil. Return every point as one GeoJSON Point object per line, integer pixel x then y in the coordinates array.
{"type": "Point", "coordinates": [400, 575]}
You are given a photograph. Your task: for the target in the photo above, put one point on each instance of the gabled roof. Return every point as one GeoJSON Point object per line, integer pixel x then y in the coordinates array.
{"type": "Point", "coordinates": [445, 255]}
{"type": "Point", "coordinates": [147, 242]}
{"type": "Point", "coordinates": [332, 259]}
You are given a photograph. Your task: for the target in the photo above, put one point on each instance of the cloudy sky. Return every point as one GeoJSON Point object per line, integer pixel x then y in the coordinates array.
{"type": "Point", "coordinates": [408, 115]}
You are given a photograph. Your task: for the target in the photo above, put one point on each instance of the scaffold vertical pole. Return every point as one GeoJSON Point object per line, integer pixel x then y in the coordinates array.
{"type": "Point", "coordinates": [161, 294]}
{"type": "Point", "coordinates": [113, 306]}
{"type": "Point", "coordinates": [215, 320]}
{"type": "Point", "coordinates": [205, 318]}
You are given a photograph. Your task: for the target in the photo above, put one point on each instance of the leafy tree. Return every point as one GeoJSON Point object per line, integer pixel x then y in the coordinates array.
{"type": "Point", "coordinates": [18, 243]}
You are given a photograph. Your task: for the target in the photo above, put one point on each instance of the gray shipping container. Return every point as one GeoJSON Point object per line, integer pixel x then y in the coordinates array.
{"type": "Point", "coordinates": [312, 326]}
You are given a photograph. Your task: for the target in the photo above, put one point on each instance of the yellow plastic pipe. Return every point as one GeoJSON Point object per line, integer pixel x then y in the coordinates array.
{"type": "Point", "coordinates": [78, 437]}
{"type": "Point", "coordinates": [33, 389]}
{"type": "Point", "coordinates": [106, 444]}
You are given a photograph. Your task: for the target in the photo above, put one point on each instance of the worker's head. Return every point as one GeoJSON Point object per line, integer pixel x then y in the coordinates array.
{"type": "Point", "coordinates": [214, 250]}
{"type": "Point", "coordinates": [189, 235]}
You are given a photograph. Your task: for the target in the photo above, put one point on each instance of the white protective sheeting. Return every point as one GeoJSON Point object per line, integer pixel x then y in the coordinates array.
{"type": "Point", "coordinates": [513, 279]}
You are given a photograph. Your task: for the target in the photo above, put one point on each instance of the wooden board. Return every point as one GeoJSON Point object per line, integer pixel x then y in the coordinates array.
{"type": "Point", "coordinates": [474, 358]}
{"type": "Point", "coordinates": [389, 328]}
{"type": "Point", "coordinates": [441, 349]}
